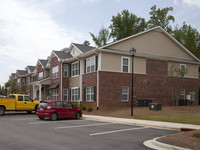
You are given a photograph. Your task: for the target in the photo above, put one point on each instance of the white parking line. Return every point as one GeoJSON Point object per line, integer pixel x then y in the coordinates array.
{"type": "Point", "coordinates": [114, 131]}
{"type": "Point", "coordinates": [88, 125]}
{"type": "Point", "coordinates": [23, 118]}
{"type": "Point", "coordinates": [41, 122]}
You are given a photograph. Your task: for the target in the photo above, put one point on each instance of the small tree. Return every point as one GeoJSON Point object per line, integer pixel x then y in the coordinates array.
{"type": "Point", "coordinates": [87, 43]}
{"type": "Point", "coordinates": [176, 84]}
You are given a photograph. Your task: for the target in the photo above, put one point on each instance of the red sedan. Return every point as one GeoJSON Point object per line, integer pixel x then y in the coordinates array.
{"type": "Point", "coordinates": [56, 109]}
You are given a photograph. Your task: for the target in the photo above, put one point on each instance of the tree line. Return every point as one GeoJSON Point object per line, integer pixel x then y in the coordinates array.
{"type": "Point", "coordinates": [125, 24]}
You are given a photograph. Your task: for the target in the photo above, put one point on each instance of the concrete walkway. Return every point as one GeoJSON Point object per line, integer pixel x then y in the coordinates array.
{"type": "Point", "coordinates": [153, 124]}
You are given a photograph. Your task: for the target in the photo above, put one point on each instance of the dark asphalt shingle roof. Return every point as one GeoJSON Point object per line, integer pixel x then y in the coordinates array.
{"type": "Point", "coordinates": [13, 75]}
{"type": "Point", "coordinates": [43, 62]}
{"type": "Point", "coordinates": [32, 68]}
{"type": "Point", "coordinates": [22, 72]}
{"type": "Point", "coordinates": [63, 55]}
{"type": "Point", "coordinates": [83, 48]}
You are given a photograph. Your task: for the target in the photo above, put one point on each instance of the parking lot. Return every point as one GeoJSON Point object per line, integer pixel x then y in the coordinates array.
{"type": "Point", "coordinates": [26, 132]}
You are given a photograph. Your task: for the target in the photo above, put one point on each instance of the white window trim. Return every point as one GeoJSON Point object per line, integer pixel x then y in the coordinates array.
{"type": "Point", "coordinates": [64, 94]}
{"type": "Point", "coordinates": [90, 64]}
{"type": "Point", "coordinates": [39, 75]}
{"type": "Point", "coordinates": [71, 94]}
{"type": "Point", "coordinates": [184, 93]}
{"type": "Point", "coordinates": [185, 69]}
{"type": "Point", "coordinates": [65, 70]}
{"type": "Point", "coordinates": [56, 73]}
{"type": "Point", "coordinates": [128, 64]}
{"type": "Point", "coordinates": [72, 71]}
{"type": "Point", "coordinates": [127, 95]}
{"type": "Point", "coordinates": [56, 95]}
{"type": "Point", "coordinates": [89, 93]}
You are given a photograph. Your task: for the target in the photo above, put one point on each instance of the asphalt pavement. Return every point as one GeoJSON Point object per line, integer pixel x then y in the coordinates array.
{"type": "Point", "coordinates": [27, 132]}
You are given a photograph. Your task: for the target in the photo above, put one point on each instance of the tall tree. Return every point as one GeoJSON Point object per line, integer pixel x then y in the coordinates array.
{"type": "Point", "coordinates": [102, 38]}
{"type": "Point", "coordinates": [160, 17]}
{"type": "Point", "coordinates": [188, 37]}
{"type": "Point", "coordinates": [126, 24]}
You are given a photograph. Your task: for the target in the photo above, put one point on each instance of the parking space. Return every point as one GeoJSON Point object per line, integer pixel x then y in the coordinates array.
{"type": "Point", "coordinates": [26, 131]}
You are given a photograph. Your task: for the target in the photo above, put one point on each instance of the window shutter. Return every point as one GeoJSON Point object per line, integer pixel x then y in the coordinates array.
{"type": "Point", "coordinates": [85, 66]}
{"type": "Point", "coordinates": [79, 67]}
{"type": "Point", "coordinates": [96, 62]}
{"type": "Point", "coordinates": [95, 93]}
{"type": "Point", "coordinates": [79, 93]}
{"type": "Point", "coordinates": [70, 94]}
{"type": "Point", "coordinates": [84, 93]}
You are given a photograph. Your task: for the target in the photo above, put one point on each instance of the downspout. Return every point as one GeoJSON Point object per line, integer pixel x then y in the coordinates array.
{"type": "Point", "coordinates": [61, 80]}
{"type": "Point", "coordinates": [99, 68]}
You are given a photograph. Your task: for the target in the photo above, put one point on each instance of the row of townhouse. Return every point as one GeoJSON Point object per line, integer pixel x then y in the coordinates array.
{"type": "Point", "coordinates": [101, 77]}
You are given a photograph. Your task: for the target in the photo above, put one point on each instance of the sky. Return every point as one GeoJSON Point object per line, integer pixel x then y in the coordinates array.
{"type": "Point", "coordinates": [31, 29]}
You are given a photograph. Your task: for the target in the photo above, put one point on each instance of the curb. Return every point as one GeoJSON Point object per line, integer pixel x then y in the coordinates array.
{"type": "Point", "coordinates": [154, 144]}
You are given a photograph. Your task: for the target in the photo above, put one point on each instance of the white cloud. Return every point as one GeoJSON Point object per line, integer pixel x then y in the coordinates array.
{"type": "Point", "coordinates": [188, 2]}
{"type": "Point", "coordinates": [28, 33]}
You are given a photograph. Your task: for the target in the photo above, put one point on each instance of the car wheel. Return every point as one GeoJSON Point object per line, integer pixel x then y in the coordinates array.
{"type": "Point", "coordinates": [53, 116]}
{"type": "Point", "coordinates": [28, 112]}
{"type": "Point", "coordinates": [78, 115]}
{"type": "Point", "coordinates": [2, 111]}
{"type": "Point", "coordinates": [41, 118]}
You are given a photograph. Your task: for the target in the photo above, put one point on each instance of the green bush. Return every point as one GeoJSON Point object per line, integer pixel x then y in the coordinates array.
{"type": "Point", "coordinates": [75, 105]}
{"type": "Point", "coordinates": [197, 135]}
{"type": "Point", "coordinates": [82, 107]}
{"type": "Point", "coordinates": [89, 109]}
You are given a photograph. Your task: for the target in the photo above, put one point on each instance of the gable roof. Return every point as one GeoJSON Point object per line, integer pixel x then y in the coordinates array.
{"type": "Point", "coordinates": [31, 68]}
{"type": "Point", "coordinates": [62, 54]}
{"type": "Point", "coordinates": [43, 62]}
{"type": "Point", "coordinates": [158, 28]}
{"type": "Point", "coordinates": [83, 48]}
{"type": "Point", "coordinates": [21, 72]}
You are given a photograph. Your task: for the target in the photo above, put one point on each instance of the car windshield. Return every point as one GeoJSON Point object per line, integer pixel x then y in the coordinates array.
{"type": "Point", "coordinates": [43, 104]}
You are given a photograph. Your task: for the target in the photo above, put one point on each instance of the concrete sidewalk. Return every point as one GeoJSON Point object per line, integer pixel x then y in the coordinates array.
{"type": "Point", "coordinates": [153, 124]}
{"type": "Point", "coordinates": [147, 123]}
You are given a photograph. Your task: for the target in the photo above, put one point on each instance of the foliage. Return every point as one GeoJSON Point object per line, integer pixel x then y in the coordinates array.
{"type": "Point", "coordinates": [126, 24]}
{"type": "Point", "coordinates": [160, 17]}
{"type": "Point", "coordinates": [196, 134]}
{"type": "Point", "coordinates": [102, 38]}
{"type": "Point", "coordinates": [82, 106]}
{"type": "Point", "coordinates": [87, 43]}
{"type": "Point", "coordinates": [89, 109]}
{"type": "Point", "coordinates": [75, 105]}
{"type": "Point", "coordinates": [189, 37]}
{"type": "Point", "coordinates": [174, 73]}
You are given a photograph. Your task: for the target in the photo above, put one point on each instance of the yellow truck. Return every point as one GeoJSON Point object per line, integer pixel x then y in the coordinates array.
{"type": "Point", "coordinates": [18, 102]}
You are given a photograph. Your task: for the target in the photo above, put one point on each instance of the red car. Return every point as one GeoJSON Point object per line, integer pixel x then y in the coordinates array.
{"type": "Point", "coordinates": [55, 109]}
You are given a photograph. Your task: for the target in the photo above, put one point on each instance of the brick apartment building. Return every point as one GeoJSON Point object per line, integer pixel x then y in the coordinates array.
{"type": "Point", "coordinates": [101, 77]}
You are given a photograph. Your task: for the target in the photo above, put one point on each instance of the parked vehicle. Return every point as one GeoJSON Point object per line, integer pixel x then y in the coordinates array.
{"type": "Point", "coordinates": [56, 109]}
{"type": "Point", "coordinates": [18, 102]}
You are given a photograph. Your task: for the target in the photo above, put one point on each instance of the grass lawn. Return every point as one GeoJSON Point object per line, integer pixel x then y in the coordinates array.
{"type": "Point", "coordinates": [186, 118]}
{"type": "Point", "coordinates": [177, 114]}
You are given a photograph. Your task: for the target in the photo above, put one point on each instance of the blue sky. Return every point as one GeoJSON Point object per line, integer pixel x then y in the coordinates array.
{"type": "Point", "coordinates": [31, 29]}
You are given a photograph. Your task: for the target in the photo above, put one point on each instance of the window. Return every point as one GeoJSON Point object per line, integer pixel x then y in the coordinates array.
{"type": "Point", "coordinates": [20, 98]}
{"type": "Point", "coordinates": [65, 70]}
{"type": "Point", "coordinates": [125, 93]}
{"type": "Point", "coordinates": [68, 105]}
{"type": "Point", "coordinates": [182, 94]}
{"type": "Point", "coordinates": [90, 93]}
{"type": "Point", "coordinates": [40, 75]}
{"type": "Point", "coordinates": [54, 72]}
{"type": "Point", "coordinates": [90, 65]}
{"type": "Point", "coordinates": [55, 94]}
{"type": "Point", "coordinates": [75, 94]}
{"type": "Point", "coordinates": [27, 98]}
{"type": "Point", "coordinates": [32, 78]}
{"type": "Point", "coordinates": [65, 94]}
{"type": "Point", "coordinates": [183, 70]}
{"type": "Point", "coordinates": [75, 69]}
{"type": "Point", "coordinates": [27, 79]}
{"type": "Point", "coordinates": [125, 64]}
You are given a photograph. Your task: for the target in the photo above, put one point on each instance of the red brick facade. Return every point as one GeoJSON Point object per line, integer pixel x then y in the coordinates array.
{"type": "Point", "coordinates": [154, 85]}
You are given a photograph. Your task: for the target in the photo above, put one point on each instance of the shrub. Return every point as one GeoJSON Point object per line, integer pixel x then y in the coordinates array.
{"type": "Point", "coordinates": [196, 134]}
{"type": "Point", "coordinates": [75, 105]}
{"type": "Point", "coordinates": [82, 107]}
{"type": "Point", "coordinates": [89, 109]}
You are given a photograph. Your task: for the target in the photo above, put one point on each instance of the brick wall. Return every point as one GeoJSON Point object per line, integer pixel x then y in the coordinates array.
{"type": "Point", "coordinates": [154, 85]}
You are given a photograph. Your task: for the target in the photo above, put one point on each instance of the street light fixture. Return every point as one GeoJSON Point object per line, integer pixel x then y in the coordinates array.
{"type": "Point", "coordinates": [132, 52]}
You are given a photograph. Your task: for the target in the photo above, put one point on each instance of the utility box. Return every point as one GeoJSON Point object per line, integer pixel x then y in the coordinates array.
{"type": "Point", "coordinates": [155, 106]}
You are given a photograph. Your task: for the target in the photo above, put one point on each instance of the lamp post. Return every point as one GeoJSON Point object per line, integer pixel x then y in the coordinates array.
{"type": "Point", "coordinates": [132, 52]}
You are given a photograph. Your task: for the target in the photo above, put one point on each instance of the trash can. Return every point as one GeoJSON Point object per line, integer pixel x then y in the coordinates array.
{"type": "Point", "coordinates": [155, 106]}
